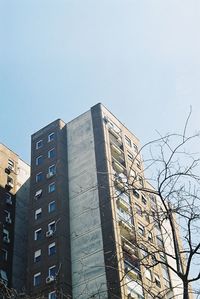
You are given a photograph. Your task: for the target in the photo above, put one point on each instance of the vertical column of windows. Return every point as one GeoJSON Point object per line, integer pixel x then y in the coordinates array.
{"type": "Point", "coordinates": [51, 250]}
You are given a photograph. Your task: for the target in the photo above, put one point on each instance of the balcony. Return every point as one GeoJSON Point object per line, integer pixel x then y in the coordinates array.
{"type": "Point", "coordinates": [123, 204]}
{"type": "Point", "coordinates": [130, 248]}
{"type": "Point", "coordinates": [118, 166]}
{"type": "Point", "coordinates": [132, 264]}
{"type": "Point", "coordinates": [116, 141]}
{"type": "Point", "coordinates": [131, 272]}
{"type": "Point", "coordinates": [126, 230]}
{"type": "Point", "coordinates": [115, 149]}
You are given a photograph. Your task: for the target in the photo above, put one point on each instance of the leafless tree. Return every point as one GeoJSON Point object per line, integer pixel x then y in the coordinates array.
{"type": "Point", "coordinates": [174, 215]}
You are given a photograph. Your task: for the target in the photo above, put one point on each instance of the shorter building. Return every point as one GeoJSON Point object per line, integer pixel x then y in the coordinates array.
{"type": "Point", "coordinates": [14, 196]}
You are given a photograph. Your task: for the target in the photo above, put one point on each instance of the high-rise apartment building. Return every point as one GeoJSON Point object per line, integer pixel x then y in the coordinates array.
{"type": "Point", "coordinates": [14, 196]}
{"type": "Point", "coordinates": [83, 221]}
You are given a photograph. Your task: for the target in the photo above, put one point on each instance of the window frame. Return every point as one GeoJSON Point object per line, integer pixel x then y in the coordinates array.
{"type": "Point", "coordinates": [49, 187]}
{"type": "Point", "coordinates": [38, 176]}
{"type": "Point", "coordinates": [49, 270]}
{"type": "Point", "coordinates": [128, 141]}
{"type": "Point", "coordinates": [11, 164]}
{"type": "Point", "coordinates": [50, 139]}
{"type": "Point", "coordinates": [50, 204]}
{"type": "Point", "coordinates": [38, 212]}
{"type": "Point", "coordinates": [36, 275]}
{"type": "Point", "coordinates": [50, 246]}
{"type": "Point", "coordinates": [35, 234]}
{"type": "Point", "coordinates": [4, 254]}
{"type": "Point", "coordinates": [52, 223]}
{"type": "Point", "coordinates": [141, 229]}
{"type": "Point", "coordinates": [53, 166]}
{"type": "Point", "coordinates": [37, 144]}
{"type": "Point", "coordinates": [52, 150]}
{"type": "Point", "coordinates": [36, 255]}
{"type": "Point", "coordinates": [39, 160]}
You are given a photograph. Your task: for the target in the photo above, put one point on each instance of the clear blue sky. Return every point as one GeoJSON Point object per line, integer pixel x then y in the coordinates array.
{"type": "Point", "coordinates": [58, 58]}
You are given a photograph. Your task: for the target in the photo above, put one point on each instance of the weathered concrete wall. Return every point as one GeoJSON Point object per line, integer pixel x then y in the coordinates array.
{"type": "Point", "coordinates": [21, 227]}
{"type": "Point", "coordinates": [87, 258]}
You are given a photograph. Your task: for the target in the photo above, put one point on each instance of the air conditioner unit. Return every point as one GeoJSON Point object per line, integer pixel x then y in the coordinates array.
{"type": "Point", "coordinates": [49, 175]}
{"type": "Point", "coordinates": [6, 239]}
{"type": "Point", "coordinates": [50, 279]}
{"type": "Point", "coordinates": [8, 219]}
{"type": "Point", "coordinates": [49, 233]}
{"type": "Point", "coordinates": [38, 194]}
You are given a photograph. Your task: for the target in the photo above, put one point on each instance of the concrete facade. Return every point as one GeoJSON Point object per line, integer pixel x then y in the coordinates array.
{"type": "Point", "coordinates": [89, 162]}
{"type": "Point", "coordinates": [14, 195]}
{"type": "Point", "coordinates": [87, 256]}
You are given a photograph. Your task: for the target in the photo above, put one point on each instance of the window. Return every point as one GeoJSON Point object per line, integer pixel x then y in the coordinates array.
{"type": "Point", "coordinates": [6, 213]}
{"type": "Point", "coordinates": [140, 180]}
{"type": "Point", "coordinates": [8, 198]}
{"type": "Point", "coordinates": [148, 274]}
{"type": "Point", "coordinates": [125, 197]}
{"type": "Point", "coordinates": [37, 279]}
{"type": "Point", "coordinates": [150, 236]}
{"type": "Point", "coordinates": [37, 256]}
{"type": "Point", "coordinates": [159, 241]}
{"type": "Point", "coordinates": [52, 226]}
{"type": "Point", "coordinates": [157, 280]}
{"type": "Point", "coordinates": [52, 271]}
{"type": "Point", "coordinates": [146, 216]}
{"type": "Point", "coordinates": [38, 194]}
{"type": "Point", "coordinates": [130, 156]}
{"type": "Point", "coordinates": [11, 164]}
{"type": "Point", "coordinates": [6, 236]}
{"type": "Point", "coordinates": [144, 251]}
{"type": "Point", "coordinates": [144, 200]}
{"type": "Point", "coordinates": [135, 147]}
{"type": "Point", "coordinates": [153, 199]}
{"type": "Point", "coordinates": [136, 193]}
{"type": "Point", "coordinates": [166, 275]}
{"type": "Point", "coordinates": [38, 234]}
{"type": "Point", "coordinates": [141, 229]}
{"type": "Point", "coordinates": [4, 255]}
{"type": "Point", "coordinates": [132, 174]}
{"type": "Point", "coordinates": [128, 141]}
{"type": "Point", "coordinates": [3, 276]}
{"type": "Point", "coordinates": [52, 206]}
{"type": "Point", "coordinates": [39, 177]}
{"type": "Point", "coordinates": [39, 144]}
{"type": "Point", "coordinates": [7, 216]}
{"type": "Point", "coordinates": [52, 153]}
{"type": "Point", "coordinates": [39, 160]}
{"type": "Point", "coordinates": [138, 163]}
{"type": "Point", "coordinates": [162, 257]}
{"type": "Point", "coordinates": [10, 181]}
{"type": "Point", "coordinates": [52, 169]}
{"type": "Point", "coordinates": [38, 214]}
{"type": "Point", "coordinates": [52, 295]}
{"type": "Point", "coordinates": [138, 209]}
{"type": "Point", "coordinates": [122, 215]}
{"type": "Point", "coordinates": [52, 248]}
{"type": "Point", "coordinates": [52, 187]}
{"type": "Point", "coordinates": [51, 137]}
